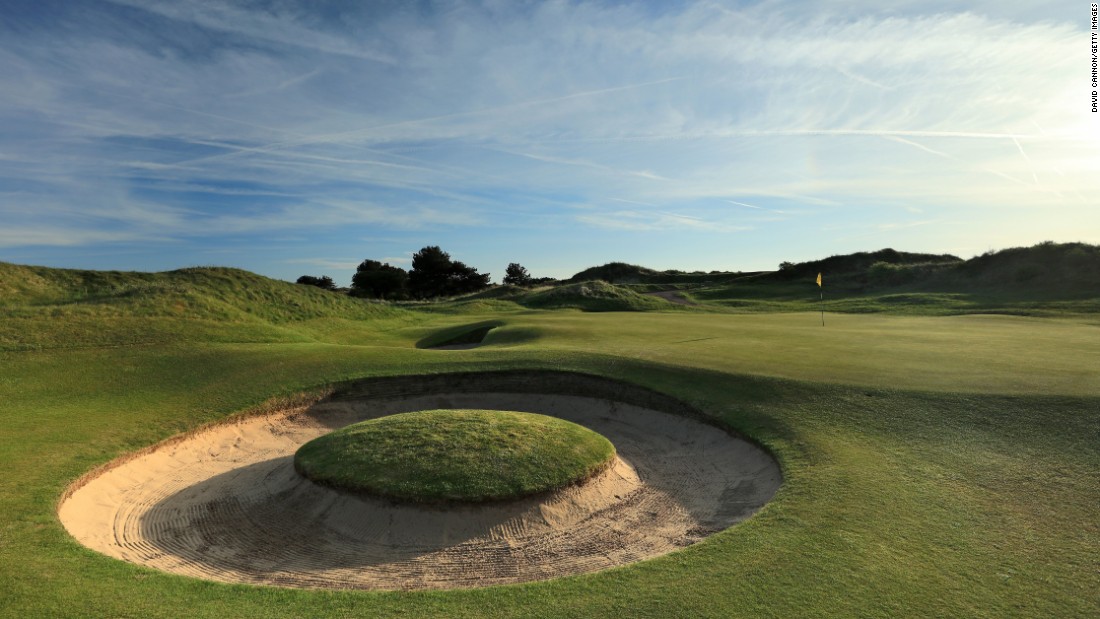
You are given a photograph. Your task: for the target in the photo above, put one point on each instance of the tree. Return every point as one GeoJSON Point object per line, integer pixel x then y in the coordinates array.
{"type": "Point", "coordinates": [434, 274]}
{"type": "Point", "coordinates": [376, 280]}
{"type": "Point", "coordinates": [464, 279]}
{"type": "Point", "coordinates": [321, 282]}
{"type": "Point", "coordinates": [430, 269]}
{"type": "Point", "coordinates": [516, 275]}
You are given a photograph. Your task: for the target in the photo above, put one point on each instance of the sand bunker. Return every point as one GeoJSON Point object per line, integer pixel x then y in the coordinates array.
{"type": "Point", "coordinates": [225, 503]}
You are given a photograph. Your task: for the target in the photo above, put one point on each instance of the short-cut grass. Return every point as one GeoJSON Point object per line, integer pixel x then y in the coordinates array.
{"type": "Point", "coordinates": [934, 466]}
{"type": "Point", "coordinates": [455, 456]}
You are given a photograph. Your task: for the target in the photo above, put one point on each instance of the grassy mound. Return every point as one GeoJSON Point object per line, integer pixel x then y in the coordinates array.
{"type": "Point", "coordinates": [466, 456]}
{"type": "Point", "coordinates": [42, 307]}
{"type": "Point", "coordinates": [215, 293]}
{"type": "Point", "coordinates": [623, 273]}
{"type": "Point", "coordinates": [463, 334]}
{"type": "Point", "coordinates": [614, 273]}
{"type": "Point", "coordinates": [593, 296]}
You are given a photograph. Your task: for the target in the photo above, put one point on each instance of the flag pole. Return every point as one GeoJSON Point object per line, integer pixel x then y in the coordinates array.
{"type": "Point", "coordinates": [821, 298]}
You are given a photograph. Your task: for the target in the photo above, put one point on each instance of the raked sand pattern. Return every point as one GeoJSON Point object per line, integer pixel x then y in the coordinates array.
{"type": "Point", "coordinates": [226, 504]}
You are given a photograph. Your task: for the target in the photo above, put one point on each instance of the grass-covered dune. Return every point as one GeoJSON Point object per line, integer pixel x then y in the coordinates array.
{"type": "Point", "coordinates": [594, 295]}
{"type": "Point", "coordinates": [939, 466]}
{"type": "Point", "coordinates": [58, 308]}
{"type": "Point", "coordinates": [1045, 279]}
{"type": "Point", "coordinates": [455, 456]}
{"type": "Point", "coordinates": [1047, 270]}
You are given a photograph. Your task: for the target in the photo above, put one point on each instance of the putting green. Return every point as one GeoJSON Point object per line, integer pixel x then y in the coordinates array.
{"type": "Point", "coordinates": [466, 456]}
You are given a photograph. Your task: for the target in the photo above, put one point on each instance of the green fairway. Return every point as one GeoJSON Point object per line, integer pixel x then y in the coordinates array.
{"type": "Point", "coordinates": [975, 353]}
{"type": "Point", "coordinates": [933, 465]}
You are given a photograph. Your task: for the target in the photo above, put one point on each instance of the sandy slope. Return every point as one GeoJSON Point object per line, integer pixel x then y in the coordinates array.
{"type": "Point", "coordinates": [226, 504]}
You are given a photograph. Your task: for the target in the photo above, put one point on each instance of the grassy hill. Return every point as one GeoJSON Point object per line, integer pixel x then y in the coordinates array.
{"type": "Point", "coordinates": [59, 308]}
{"type": "Point", "coordinates": [623, 273]}
{"type": "Point", "coordinates": [860, 263]}
{"type": "Point", "coordinates": [593, 295]}
{"type": "Point", "coordinates": [1046, 279]}
{"type": "Point", "coordinates": [1066, 263]}
{"type": "Point", "coordinates": [46, 307]}
{"type": "Point", "coordinates": [614, 273]}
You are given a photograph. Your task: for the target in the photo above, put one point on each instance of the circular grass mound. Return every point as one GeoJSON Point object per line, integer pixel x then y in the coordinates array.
{"type": "Point", "coordinates": [462, 456]}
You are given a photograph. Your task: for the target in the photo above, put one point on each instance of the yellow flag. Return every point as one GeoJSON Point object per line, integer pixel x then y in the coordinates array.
{"type": "Point", "coordinates": [819, 280]}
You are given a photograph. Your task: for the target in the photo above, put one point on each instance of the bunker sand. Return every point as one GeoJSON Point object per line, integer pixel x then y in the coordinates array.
{"type": "Point", "coordinates": [225, 503]}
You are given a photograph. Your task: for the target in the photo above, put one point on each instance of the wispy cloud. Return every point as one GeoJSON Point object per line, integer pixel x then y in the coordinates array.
{"type": "Point", "coordinates": [283, 29]}
{"type": "Point", "coordinates": [1030, 164]}
{"type": "Point", "coordinates": [901, 140]}
{"type": "Point", "coordinates": [63, 236]}
{"type": "Point", "coordinates": [632, 202]}
{"type": "Point", "coordinates": [655, 221]}
{"type": "Point", "coordinates": [758, 208]}
{"type": "Point", "coordinates": [587, 164]}
{"type": "Point", "coordinates": [155, 119]}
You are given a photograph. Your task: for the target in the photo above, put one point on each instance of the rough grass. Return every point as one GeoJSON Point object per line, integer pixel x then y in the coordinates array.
{"type": "Point", "coordinates": [592, 296]}
{"type": "Point", "coordinates": [761, 296]}
{"type": "Point", "coordinates": [933, 466]}
{"type": "Point", "coordinates": [60, 308]}
{"type": "Point", "coordinates": [462, 456]}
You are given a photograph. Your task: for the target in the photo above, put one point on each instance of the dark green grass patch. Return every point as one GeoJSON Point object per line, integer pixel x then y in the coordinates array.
{"type": "Point", "coordinates": [463, 456]}
{"type": "Point", "coordinates": [461, 335]}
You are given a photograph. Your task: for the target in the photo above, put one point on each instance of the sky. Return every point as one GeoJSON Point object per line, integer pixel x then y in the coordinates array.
{"type": "Point", "coordinates": [293, 137]}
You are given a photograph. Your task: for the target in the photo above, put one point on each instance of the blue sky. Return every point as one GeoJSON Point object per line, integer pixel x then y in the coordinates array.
{"type": "Point", "coordinates": [301, 137]}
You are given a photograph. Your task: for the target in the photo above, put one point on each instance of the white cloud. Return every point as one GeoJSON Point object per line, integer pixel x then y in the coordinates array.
{"type": "Point", "coordinates": [62, 236]}
{"type": "Point", "coordinates": [655, 221]}
{"type": "Point", "coordinates": [283, 28]}
{"type": "Point", "coordinates": [488, 117]}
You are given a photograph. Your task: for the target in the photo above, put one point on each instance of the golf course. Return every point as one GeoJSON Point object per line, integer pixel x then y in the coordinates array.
{"type": "Point", "coordinates": [933, 463]}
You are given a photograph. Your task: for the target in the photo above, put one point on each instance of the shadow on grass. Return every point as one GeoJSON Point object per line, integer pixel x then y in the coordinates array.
{"type": "Point", "coordinates": [463, 335]}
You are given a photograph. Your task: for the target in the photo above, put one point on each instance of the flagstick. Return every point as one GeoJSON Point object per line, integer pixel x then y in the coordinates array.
{"type": "Point", "coordinates": [821, 297]}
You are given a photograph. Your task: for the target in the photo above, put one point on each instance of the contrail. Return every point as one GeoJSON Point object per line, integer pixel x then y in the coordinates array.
{"type": "Point", "coordinates": [344, 135]}
{"type": "Point", "coordinates": [1015, 140]}
{"type": "Point", "coordinates": [632, 202]}
{"type": "Point", "coordinates": [808, 132]}
{"type": "Point", "coordinates": [233, 22]}
{"type": "Point", "coordinates": [1030, 165]}
{"type": "Point", "coordinates": [900, 140]}
{"type": "Point", "coordinates": [237, 149]}
{"type": "Point", "coordinates": [887, 132]}
{"type": "Point", "coordinates": [861, 79]}
{"type": "Point", "coordinates": [678, 216]}
{"type": "Point", "coordinates": [580, 163]}
{"type": "Point", "coordinates": [759, 208]}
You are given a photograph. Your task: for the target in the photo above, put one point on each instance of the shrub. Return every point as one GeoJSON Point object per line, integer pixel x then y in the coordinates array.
{"type": "Point", "coordinates": [376, 280]}
{"type": "Point", "coordinates": [516, 275]}
{"type": "Point", "coordinates": [321, 282]}
{"type": "Point", "coordinates": [434, 274]}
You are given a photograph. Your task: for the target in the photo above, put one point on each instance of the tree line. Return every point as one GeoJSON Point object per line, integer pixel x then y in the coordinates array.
{"type": "Point", "coordinates": [434, 274]}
